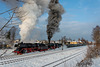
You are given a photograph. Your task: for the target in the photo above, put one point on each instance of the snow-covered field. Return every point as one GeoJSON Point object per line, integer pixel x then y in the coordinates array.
{"type": "Point", "coordinates": [39, 59]}
{"type": "Point", "coordinates": [96, 62]}
{"type": "Point", "coordinates": [9, 52]}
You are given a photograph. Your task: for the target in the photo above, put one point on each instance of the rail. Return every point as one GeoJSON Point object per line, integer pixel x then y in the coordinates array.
{"type": "Point", "coordinates": [67, 58]}
{"type": "Point", "coordinates": [13, 60]}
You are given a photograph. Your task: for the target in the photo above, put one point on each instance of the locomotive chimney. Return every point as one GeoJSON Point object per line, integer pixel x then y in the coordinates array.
{"type": "Point", "coordinates": [49, 39]}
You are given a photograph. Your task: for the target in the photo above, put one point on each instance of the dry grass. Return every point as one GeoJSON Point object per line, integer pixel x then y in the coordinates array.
{"type": "Point", "coordinates": [92, 52]}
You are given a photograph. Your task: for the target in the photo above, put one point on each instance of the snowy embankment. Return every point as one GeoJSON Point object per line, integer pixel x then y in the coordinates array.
{"type": "Point", "coordinates": [44, 58]}
{"type": "Point", "coordinates": [96, 62]}
{"type": "Point", "coordinates": [8, 52]}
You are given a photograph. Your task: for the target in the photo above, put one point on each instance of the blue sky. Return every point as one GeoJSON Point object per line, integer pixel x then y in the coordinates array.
{"type": "Point", "coordinates": [80, 17]}
{"type": "Point", "coordinates": [82, 10]}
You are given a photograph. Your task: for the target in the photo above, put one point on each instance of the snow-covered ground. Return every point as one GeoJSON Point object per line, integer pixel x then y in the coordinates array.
{"type": "Point", "coordinates": [9, 52]}
{"type": "Point", "coordinates": [96, 62]}
{"type": "Point", "coordinates": [46, 58]}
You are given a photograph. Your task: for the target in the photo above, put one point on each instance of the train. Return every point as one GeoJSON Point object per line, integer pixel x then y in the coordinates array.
{"type": "Point", "coordinates": [23, 48]}
{"type": "Point", "coordinates": [74, 45]}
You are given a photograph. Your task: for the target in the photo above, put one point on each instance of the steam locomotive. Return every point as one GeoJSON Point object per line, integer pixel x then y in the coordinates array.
{"type": "Point", "coordinates": [29, 47]}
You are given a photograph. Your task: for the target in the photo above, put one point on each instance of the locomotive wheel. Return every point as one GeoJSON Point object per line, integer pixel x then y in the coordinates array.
{"type": "Point", "coordinates": [24, 51]}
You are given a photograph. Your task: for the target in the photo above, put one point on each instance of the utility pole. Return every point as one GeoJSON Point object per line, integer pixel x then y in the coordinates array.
{"type": "Point", "coordinates": [62, 43]}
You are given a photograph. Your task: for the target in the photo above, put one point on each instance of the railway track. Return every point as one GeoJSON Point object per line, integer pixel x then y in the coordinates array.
{"type": "Point", "coordinates": [62, 60]}
{"type": "Point", "coordinates": [18, 58]}
{"type": "Point", "coordinates": [15, 56]}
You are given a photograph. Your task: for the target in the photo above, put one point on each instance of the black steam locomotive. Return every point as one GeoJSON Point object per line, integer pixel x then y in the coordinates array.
{"type": "Point", "coordinates": [29, 47]}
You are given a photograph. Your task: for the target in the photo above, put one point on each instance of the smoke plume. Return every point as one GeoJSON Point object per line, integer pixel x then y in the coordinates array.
{"type": "Point", "coordinates": [56, 10]}
{"type": "Point", "coordinates": [29, 13]}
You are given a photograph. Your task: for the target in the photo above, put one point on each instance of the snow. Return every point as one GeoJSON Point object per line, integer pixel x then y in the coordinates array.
{"type": "Point", "coordinates": [9, 52]}
{"type": "Point", "coordinates": [43, 60]}
{"type": "Point", "coordinates": [96, 62]}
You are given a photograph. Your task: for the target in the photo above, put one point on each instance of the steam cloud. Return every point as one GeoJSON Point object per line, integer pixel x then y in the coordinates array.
{"type": "Point", "coordinates": [29, 13]}
{"type": "Point", "coordinates": [56, 10]}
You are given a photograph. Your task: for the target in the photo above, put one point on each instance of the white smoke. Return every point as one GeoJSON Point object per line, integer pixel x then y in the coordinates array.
{"type": "Point", "coordinates": [29, 14]}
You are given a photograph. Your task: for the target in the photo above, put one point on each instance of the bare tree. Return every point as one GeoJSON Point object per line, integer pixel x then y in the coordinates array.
{"type": "Point", "coordinates": [92, 51]}
{"type": "Point", "coordinates": [11, 17]}
{"type": "Point", "coordinates": [10, 22]}
{"type": "Point", "coordinates": [11, 14]}
{"type": "Point", "coordinates": [96, 35]}
{"type": "Point", "coordinates": [11, 35]}
{"type": "Point", "coordinates": [84, 41]}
